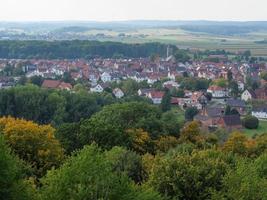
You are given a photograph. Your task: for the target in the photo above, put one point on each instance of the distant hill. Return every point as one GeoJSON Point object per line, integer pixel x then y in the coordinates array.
{"type": "Point", "coordinates": [209, 27]}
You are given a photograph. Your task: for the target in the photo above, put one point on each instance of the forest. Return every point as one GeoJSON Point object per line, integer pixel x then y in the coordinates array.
{"type": "Point", "coordinates": [77, 49]}
{"type": "Point", "coordinates": [57, 145]}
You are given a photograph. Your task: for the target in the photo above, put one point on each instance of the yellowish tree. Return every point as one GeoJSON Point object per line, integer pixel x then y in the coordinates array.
{"type": "Point", "coordinates": [139, 140]}
{"type": "Point", "coordinates": [191, 133]}
{"type": "Point", "coordinates": [165, 143]}
{"type": "Point", "coordinates": [36, 144]}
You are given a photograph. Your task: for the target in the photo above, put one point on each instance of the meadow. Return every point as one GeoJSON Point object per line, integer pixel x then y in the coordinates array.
{"type": "Point", "coordinates": [260, 130]}
{"type": "Point", "coordinates": [187, 39]}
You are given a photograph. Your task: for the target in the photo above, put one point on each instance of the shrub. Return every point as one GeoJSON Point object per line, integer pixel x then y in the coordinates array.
{"type": "Point", "coordinates": [251, 122]}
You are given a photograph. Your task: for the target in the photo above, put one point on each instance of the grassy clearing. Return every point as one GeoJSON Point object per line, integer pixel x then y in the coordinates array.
{"type": "Point", "coordinates": [261, 129]}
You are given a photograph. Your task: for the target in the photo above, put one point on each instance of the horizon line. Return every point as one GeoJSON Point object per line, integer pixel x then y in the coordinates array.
{"type": "Point", "coordinates": [126, 20]}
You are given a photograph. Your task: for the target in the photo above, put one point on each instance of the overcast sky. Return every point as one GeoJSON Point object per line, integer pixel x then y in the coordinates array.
{"type": "Point", "coordinates": [110, 10]}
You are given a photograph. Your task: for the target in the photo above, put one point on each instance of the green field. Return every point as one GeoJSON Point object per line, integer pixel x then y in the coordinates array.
{"type": "Point", "coordinates": [186, 39]}
{"type": "Point", "coordinates": [261, 129]}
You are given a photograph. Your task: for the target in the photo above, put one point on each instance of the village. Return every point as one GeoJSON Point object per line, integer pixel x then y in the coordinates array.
{"type": "Point", "coordinates": [211, 88]}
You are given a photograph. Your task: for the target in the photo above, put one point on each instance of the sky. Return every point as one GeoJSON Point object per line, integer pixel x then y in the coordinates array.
{"type": "Point", "coordinates": [119, 10]}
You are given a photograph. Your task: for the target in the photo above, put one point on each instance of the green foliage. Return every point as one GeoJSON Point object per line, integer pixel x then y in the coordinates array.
{"type": "Point", "coordinates": [11, 176]}
{"type": "Point", "coordinates": [177, 92]}
{"type": "Point", "coordinates": [77, 49]}
{"type": "Point", "coordinates": [185, 176]}
{"type": "Point", "coordinates": [36, 80]}
{"type": "Point", "coordinates": [170, 123]}
{"type": "Point", "coordinates": [181, 56]}
{"type": "Point", "coordinates": [49, 106]}
{"type": "Point", "coordinates": [233, 86]}
{"type": "Point", "coordinates": [250, 122]}
{"type": "Point", "coordinates": [243, 182]}
{"type": "Point", "coordinates": [190, 113]}
{"type": "Point", "coordinates": [33, 143]}
{"type": "Point", "coordinates": [107, 127]}
{"type": "Point", "coordinates": [127, 162]}
{"type": "Point", "coordinates": [191, 133]}
{"type": "Point", "coordinates": [166, 102]}
{"type": "Point", "coordinates": [264, 76]}
{"type": "Point", "coordinates": [195, 84]}
{"type": "Point", "coordinates": [130, 87]}
{"type": "Point", "coordinates": [90, 175]}
{"type": "Point", "coordinates": [221, 82]}
{"type": "Point", "coordinates": [69, 137]}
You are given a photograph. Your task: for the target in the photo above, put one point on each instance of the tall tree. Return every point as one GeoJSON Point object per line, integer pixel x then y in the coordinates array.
{"type": "Point", "coordinates": [166, 102]}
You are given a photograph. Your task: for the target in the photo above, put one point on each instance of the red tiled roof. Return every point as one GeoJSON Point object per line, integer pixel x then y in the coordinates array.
{"type": "Point", "coordinates": [50, 84]}
{"type": "Point", "coordinates": [156, 94]}
{"type": "Point", "coordinates": [54, 84]}
{"type": "Point", "coordinates": [64, 85]}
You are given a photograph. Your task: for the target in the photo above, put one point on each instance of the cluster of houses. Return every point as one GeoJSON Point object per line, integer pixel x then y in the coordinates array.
{"type": "Point", "coordinates": [101, 72]}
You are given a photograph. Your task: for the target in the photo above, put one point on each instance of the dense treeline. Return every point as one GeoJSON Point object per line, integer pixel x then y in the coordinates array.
{"type": "Point", "coordinates": [119, 151]}
{"type": "Point", "coordinates": [77, 49]}
{"type": "Point", "coordinates": [195, 166]}
{"type": "Point", "coordinates": [56, 107]}
{"type": "Point", "coordinates": [50, 106]}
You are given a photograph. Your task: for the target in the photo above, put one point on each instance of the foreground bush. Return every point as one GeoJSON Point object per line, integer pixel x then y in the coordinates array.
{"type": "Point", "coordinates": [251, 122]}
{"type": "Point", "coordinates": [92, 174]}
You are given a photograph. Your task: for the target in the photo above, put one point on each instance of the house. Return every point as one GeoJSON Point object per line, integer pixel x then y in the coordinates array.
{"type": "Point", "coordinates": [184, 102]}
{"type": "Point", "coordinates": [105, 77]}
{"type": "Point", "coordinates": [175, 101]}
{"type": "Point", "coordinates": [248, 95]}
{"type": "Point", "coordinates": [173, 75]}
{"type": "Point", "coordinates": [6, 82]}
{"type": "Point", "coordinates": [138, 77]}
{"type": "Point", "coordinates": [65, 86]}
{"type": "Point", "coordinates": [156, 96]}
{"type": "Point", "coordinates": [50, 84]}
{"type": "Point", "coordinates": [145, 92]}
{"type": "Point", "coordinates": [230, 122]}
{"type": "Point", "coordinates": [188, 93]}
{"type": "Point", "coordinates": [210, 116]}
{"type": "Point", "coordinates": [55, 84]}
{"type": "Point", "coordinates": [261, 93]}
{"type": "Point", "coordinates": [260, 112]}
{"type": "Point", "coordinates": [76, 75]}
{"type": "Point", "coordinates": [238, 104]}
{"type": "Point", "coordinates": [93, 77]}
{"type": "Point", "coordinates": [98, 88]}
{"type": "Point", "coordinates": [152, 78]}
{"type": "Point", "coordinates": [118, 93]}
{"type": "Point", "coordinates": [217, 91]}
{"type": "Point", "coordinates": [171, 84]}
{"type": "Point", "coordinates": [196, 97]}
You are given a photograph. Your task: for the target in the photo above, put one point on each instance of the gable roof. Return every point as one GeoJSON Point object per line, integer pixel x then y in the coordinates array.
{"type": "Point", "coordinates": [252, 93]}
{"type": "Point", "coordinates": [64, 85]}
{"type": "Point", "coordinates": [55, 84]}
{"type": "Point", "coordinates": [50, 84]}
{"type": "Point", "coordinates": [236, 103]}
{"type": "Point", "coordinates": [215, 111]}
{"type": "Point", "coordinates": [156, 94]}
